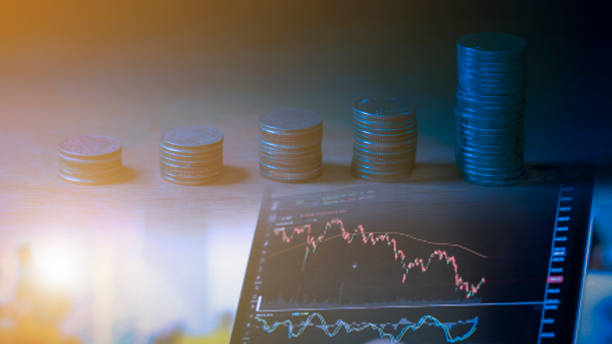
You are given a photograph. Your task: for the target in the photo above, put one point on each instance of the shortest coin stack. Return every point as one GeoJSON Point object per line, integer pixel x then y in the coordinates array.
{"type": "Point", "coordinates": [290, 145]}
{"type": "Point", "coordinates": [385, 139]}
{"type": "Point", "coordinates": [191, 155]}
{"type": "Point", "coordinates": [90, 159]}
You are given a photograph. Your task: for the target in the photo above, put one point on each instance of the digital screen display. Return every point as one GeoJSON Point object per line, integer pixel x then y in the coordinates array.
{"type": "Point", "coordinates": [419, 263]}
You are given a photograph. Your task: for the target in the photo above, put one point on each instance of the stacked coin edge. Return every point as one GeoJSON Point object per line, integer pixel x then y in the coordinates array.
{"type": "Point", "coordinates": [489, 111]}
{"type": "Point", "coordinates": [90, 168]}
{"type": "Point", "coordinates": [191, 164]}
{"type": "Point", "coordinates": [290, 145]}
{"type": "Point", "coordinates": [385, 139]}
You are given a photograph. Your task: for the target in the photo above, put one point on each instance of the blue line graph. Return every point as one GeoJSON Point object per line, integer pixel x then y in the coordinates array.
{"type": "Point", "coordinates": [331, 330]}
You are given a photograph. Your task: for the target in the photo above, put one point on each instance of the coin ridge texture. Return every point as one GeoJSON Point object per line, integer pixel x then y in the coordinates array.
{"type": "Point", "coordinates": [289, 145]}
{"type": "Point", "coordinates": [489, 111]}
{"type": "Point", "coordinates": [191, 155]}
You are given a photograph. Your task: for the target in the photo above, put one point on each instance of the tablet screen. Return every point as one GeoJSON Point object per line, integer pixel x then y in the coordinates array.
{"type": "Point", "coordinates": [444, 262]}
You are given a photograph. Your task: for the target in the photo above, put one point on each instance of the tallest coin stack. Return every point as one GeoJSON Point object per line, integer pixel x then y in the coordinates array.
{"type": "Point", "coordinates": [490, 108]}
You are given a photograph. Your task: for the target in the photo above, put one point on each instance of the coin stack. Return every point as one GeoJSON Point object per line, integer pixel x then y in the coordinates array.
{"type": "Point", "coordinates": [191, 155]}
{"type": "Point", "coordinates": [490, 108]}
{"type": "Point", "coordinates": [90, 159]}
{"type": "Point", "coordinates": [385, 139]}
{"type": "Point", "coordinates": [290, 145]}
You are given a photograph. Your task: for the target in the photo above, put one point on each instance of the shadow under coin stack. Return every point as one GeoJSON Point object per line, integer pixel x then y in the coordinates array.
{"type": "Point", "coordinates": [385, 139]}
{"type": "Point", "coordinates": [490, 108]}
{"type": "Point", "coordinates": [90, 159]}
{"type": "Point", "coordinates": [191, 155]}
{"type": "Point", "coordinates": [290, 145]}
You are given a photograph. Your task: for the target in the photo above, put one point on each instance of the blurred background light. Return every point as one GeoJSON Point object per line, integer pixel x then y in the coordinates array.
{"type": "Point", "coordinates": [59, 265]}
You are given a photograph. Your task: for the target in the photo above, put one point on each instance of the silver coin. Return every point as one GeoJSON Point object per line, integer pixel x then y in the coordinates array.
{"type": "Point", "coordinates": [487, 141]}
{"type": "Point", "coordinates": [192, 165]}
{"type": "Point", "coordinates": [383, 154]}
{"type": "Point", "coordinates": [94, 168]}
{"type": "Point", "coordinates": [90, 147]}
{"type": "Point", "coordinates": [499, 106]}
{"type": "Point", "coordinates": [490, 133]}
{"type": "Point", "coordinates": [488, 175]}
{"type": "Point", "coordinates": [380, 177]}
{"type": "Point", "coordinates": [495, 164]}
{"type": "Point", "coordinates": [280, 133]}
{"type": "Point", "coordinates": [90, 173]}
{"type": "Point", "coordinates": [292, 139]}
{"type": "Point", "coordinates": [468, 56]}
{"type": "Point", "coordinates": [359, 136]}
{"type": "Point", "coordinates": [483, 113]}
{"type": "Point", "coordinates": [190, 175]}
{"type": "Point", "coordinates": [492, 127]}
{"type": "Point", "coordinates": [383, 147]}
{"type": "Point", "coordinates": [493, 149]}
{"type": "Point", "coordinates": [290, 145]}
{"type": "Point", "coordinates": [493, 64]}
{"type": "Point", "coordinates": [290, 120]}
{"type": "Point", "coordinates": [490, 141]}
{"type": "Point", "coordinates": [356, 166]}
{"type": "Point", "coordinates": [382, 120]}
{"type": "Point", "coordinates": [290, 163]}
{"type": "Point", "coordinates": [490, 160]}
{"type": "Point", "coordinates": [492, 173]}
{"type": "Point", "coordinates": [189, 181]}
{"type": "Point", "coordinates": [383, 161]}
{"type": "Point", "coordinates": [499, 123]}
{"type": "Point", "coordinates": [481, 72]}
{"type": "Point", "coordinates": [476, 132]}
{"type": "Point", "coordinates": [492, 183]}
{"type": "Point", "coordinates": [291, 169]}
{"type": "Point", "coordinates": [96, 180]}
{"type": "Point", "coordinates": [368, 140]}
{"type": "Point", "coordinates": [381, 108]}
{"type": "Point", "coordinates": [192, 137]}
{"type": "Point", "coordinates": [291, 157]}
{"type": "Point", "coordinates": [286, 161]}
{"type": "Point", "coordinates": [493, 86]}
{"type": "Point", "coordinates": [384, 131]}
{"type": "Point", "coordinates": [289, 177]}
{"type": "Point", "coordinates": [491, 44]}
{"type": "Point", "coordinates": [90, 164]}
{"type": "Point", "coordinates": [487, 90]}
{"type": "Point", "coordinates": [504, 99]}
{"type": "Point", "coordinates": [302, 166]}
{"type": "Point", "coordinates": [499, 163]}
{"type": "Point", "coordinates": [290, 152]}
{"type": "Point", "coordinates": [69, 160]}
{"type": "Point", "coordinates": [191, 158]}
{"type": "Point", "coordinates": [287, 147]}
{"type": "Point", "coordinates": [492, 156]}
{"type": "Point", "coordinates": [471, 81]}
{"type": "Point", "coordinates": [410, 131]}
{"type": "Point", "coordinates": [384, 170]}
{"type": "Point", "coordinates": [193, 154]}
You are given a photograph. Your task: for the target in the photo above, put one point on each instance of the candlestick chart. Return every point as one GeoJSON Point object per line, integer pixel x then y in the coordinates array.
{"type": "Point", "coordinates": [311, 242]}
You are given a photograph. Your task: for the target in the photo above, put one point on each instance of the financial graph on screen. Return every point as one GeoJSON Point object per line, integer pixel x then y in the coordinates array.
{"type": "Point", "coordinates": [364, 237]}
{"type": "Point", "coordinates": [410, 265]}
{"type": "Point", "coordinates": [394, 332]}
